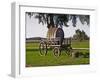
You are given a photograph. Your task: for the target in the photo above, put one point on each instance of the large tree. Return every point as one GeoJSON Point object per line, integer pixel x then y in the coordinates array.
{"type": "Point", "coordinates": [56, 20]}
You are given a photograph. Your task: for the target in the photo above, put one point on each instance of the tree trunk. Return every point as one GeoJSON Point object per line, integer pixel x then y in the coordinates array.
{"type": "Point", "coordinates": [51, 23]}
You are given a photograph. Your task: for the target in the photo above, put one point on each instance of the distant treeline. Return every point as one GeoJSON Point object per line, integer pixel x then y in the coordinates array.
{"type": "Point", "coordinates": [35, 39]}
{"type": "Point", "coordinates": [79, 36]}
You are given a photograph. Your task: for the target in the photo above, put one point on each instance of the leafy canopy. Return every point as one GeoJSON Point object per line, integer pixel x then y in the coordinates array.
{"type": "Point", "coordinates": [56, 20]}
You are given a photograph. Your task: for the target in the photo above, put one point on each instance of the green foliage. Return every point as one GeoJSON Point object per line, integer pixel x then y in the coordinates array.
{"type": "Point", "coordinates": [80, 35]}
{"type": "Point", "coordinates": [81, 54]}
{"type": "Point", "coordinates": [56, 20]}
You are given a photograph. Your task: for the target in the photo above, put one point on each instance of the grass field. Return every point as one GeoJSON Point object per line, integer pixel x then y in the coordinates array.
{"type": "Point", "coordinates": [33, 57]}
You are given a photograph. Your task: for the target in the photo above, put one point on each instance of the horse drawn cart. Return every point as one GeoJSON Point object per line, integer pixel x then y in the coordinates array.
{"type": "Point", "coordinates": [55, 41]}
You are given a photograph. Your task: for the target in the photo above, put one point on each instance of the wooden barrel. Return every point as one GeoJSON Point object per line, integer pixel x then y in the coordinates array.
{"type": "Point", "coordinates": [53, 33]}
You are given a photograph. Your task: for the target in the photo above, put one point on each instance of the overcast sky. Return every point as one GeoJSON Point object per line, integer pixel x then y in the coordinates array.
{"type": "Point", "coordinates": [34, 29]}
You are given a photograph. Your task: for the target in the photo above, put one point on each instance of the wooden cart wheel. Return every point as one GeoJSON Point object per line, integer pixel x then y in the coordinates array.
{"type": "Point", "coordinates": [43, 48]}
{"type": "Point", "coordinates": [69, 50]}
{"type": "Point", "coordinates": [56, 51]}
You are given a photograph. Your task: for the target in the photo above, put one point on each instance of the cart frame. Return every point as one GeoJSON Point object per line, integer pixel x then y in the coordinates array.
{"type": "Point", "coordinates": [56, 45]}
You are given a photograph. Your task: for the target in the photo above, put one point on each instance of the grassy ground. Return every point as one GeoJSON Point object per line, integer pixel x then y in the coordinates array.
{"type": "Point", "coordinates": [82, 44]}
{"type": "Point", "coordinates": [33, 57]}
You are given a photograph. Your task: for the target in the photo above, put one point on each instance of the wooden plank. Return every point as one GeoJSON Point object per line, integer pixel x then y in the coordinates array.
{"type": "Point", "coordinates": [55, 45]}
{"type": "Point", "coordinates": [80, 48]}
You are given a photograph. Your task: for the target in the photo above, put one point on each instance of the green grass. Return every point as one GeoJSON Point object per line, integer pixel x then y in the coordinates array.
{"type": "Point", "coordinates": [82, 44]}
{"type": "Point", "coordinates": [33, 57]}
